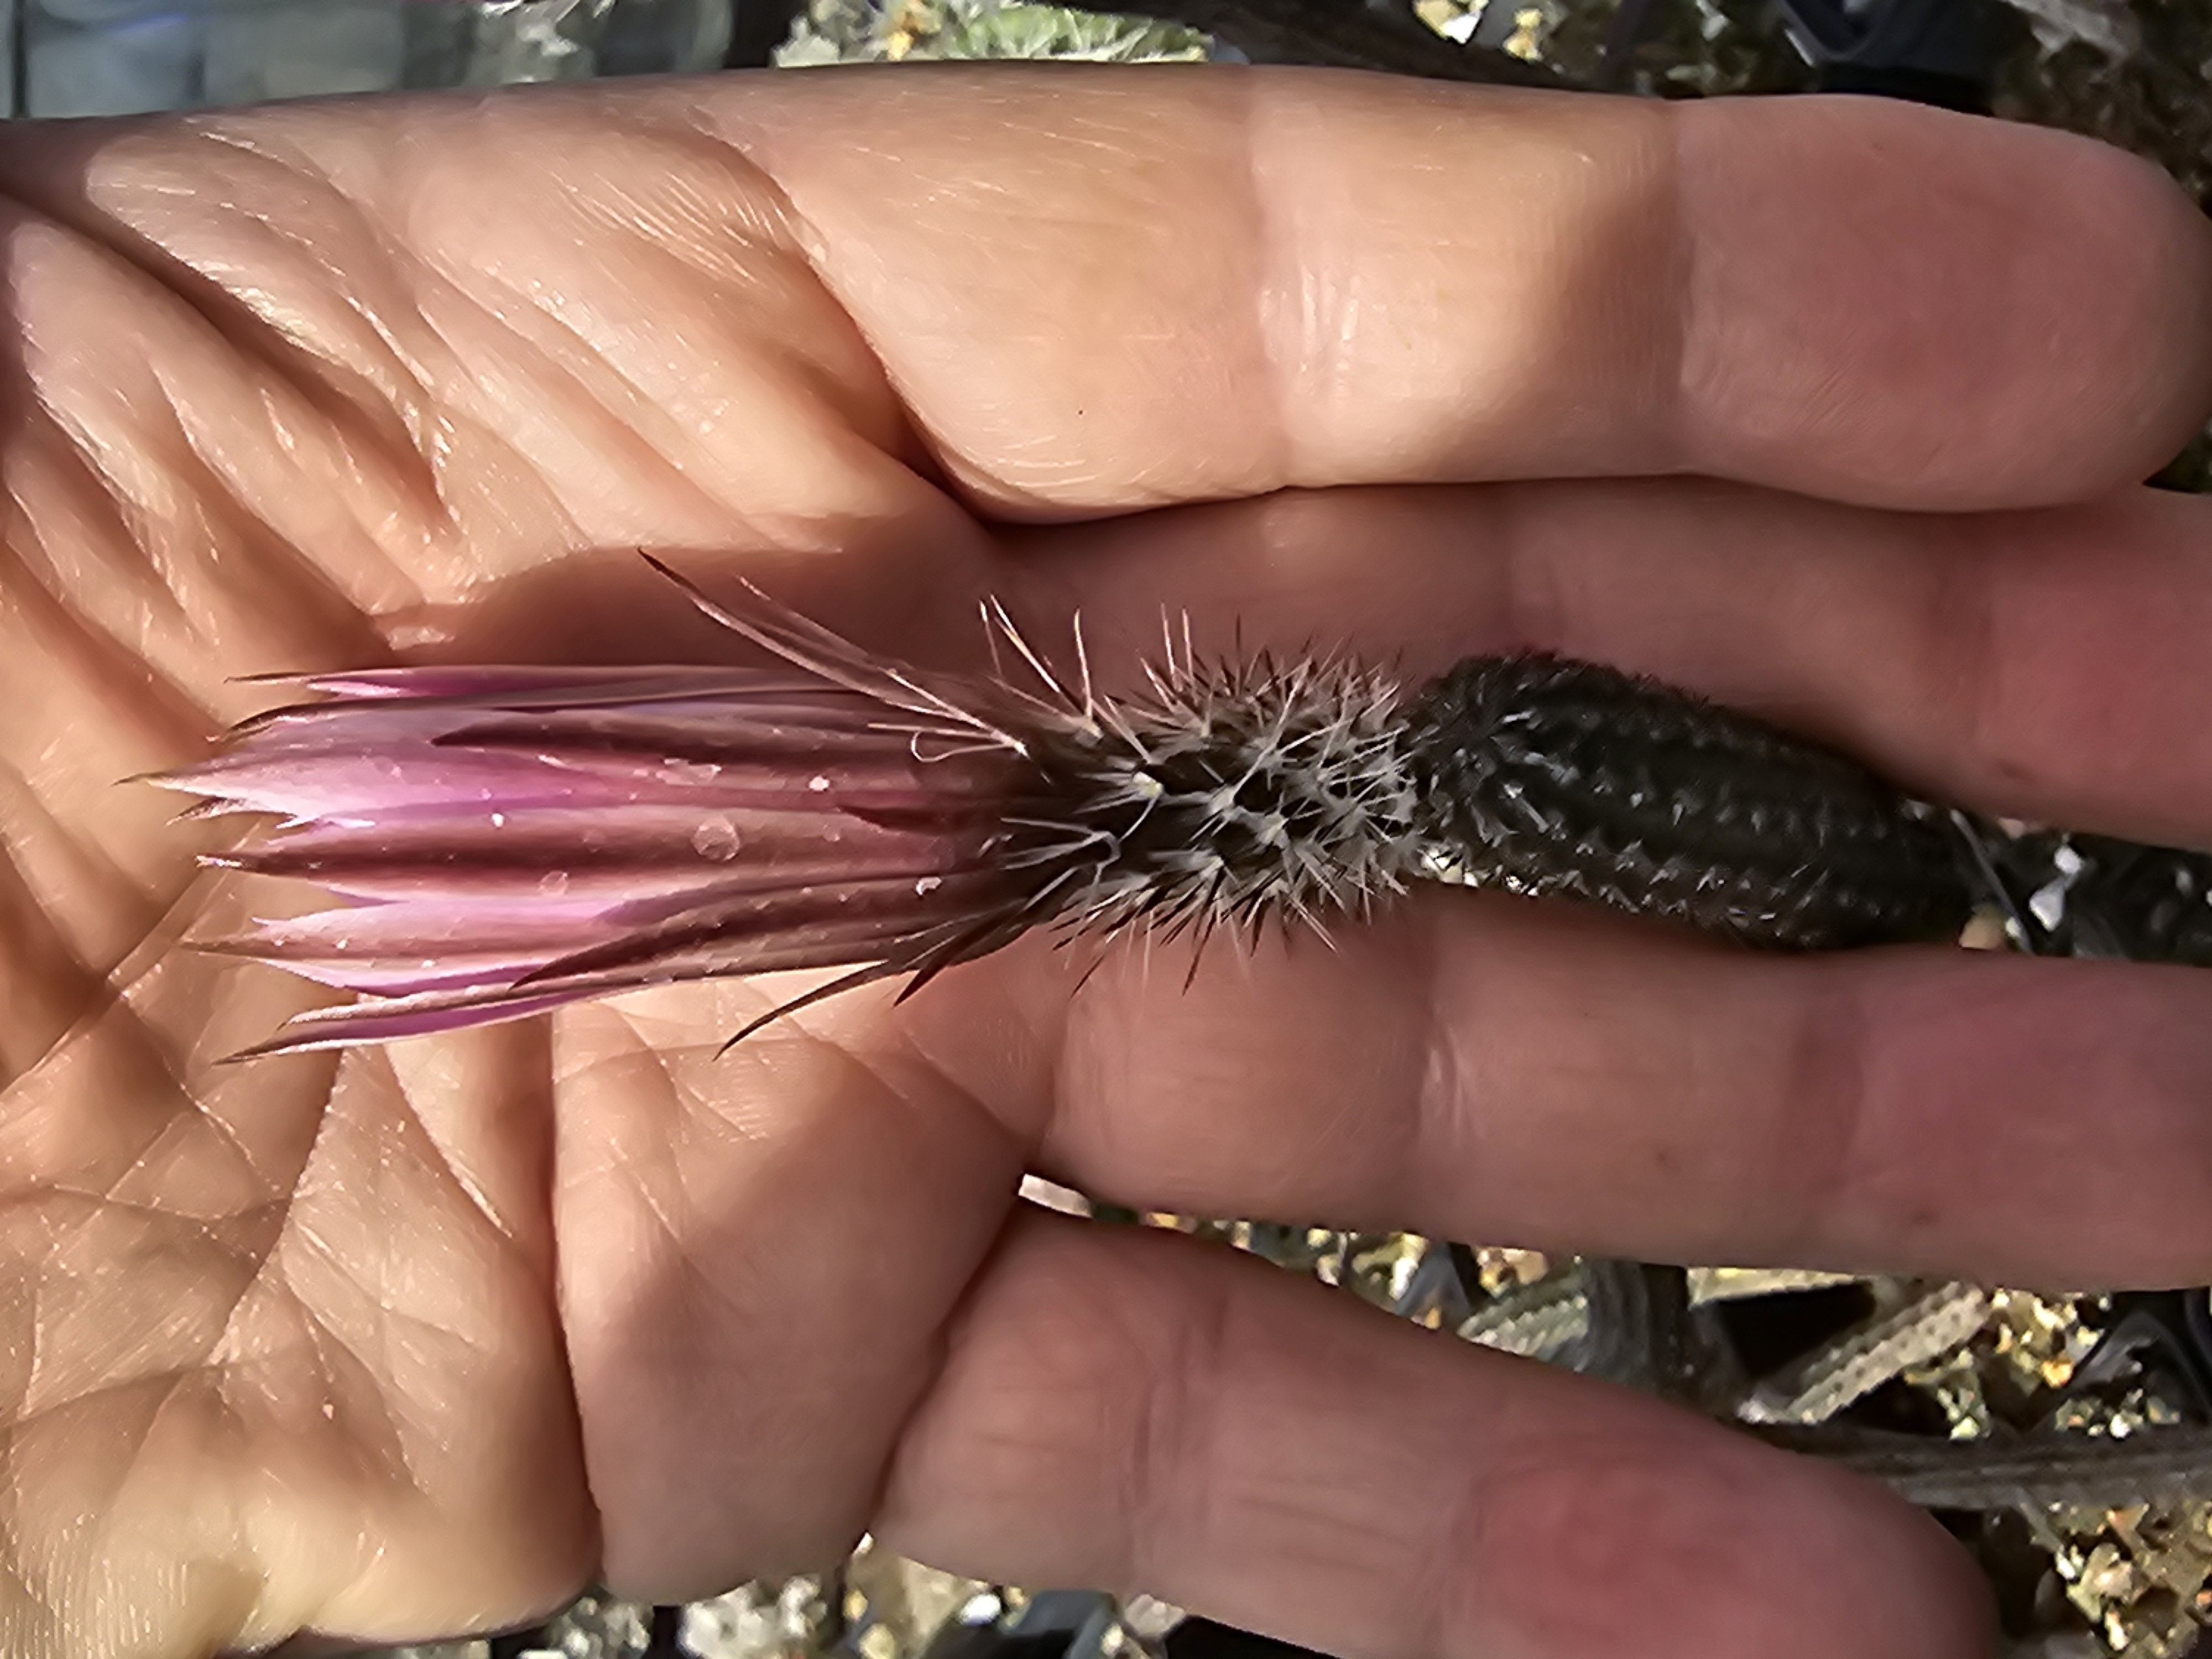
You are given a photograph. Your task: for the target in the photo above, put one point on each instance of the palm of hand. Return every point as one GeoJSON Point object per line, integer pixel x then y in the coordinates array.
{"type": "Point", "coordinates": [406, 1341]}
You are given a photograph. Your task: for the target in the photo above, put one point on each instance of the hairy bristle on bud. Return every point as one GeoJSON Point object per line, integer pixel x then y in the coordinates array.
{"type": "Point", "coordinates": [501, 842]}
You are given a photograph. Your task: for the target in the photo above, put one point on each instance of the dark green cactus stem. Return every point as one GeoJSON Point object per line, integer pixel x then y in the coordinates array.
{"type": "Point", "coordinates": [1545, 776]}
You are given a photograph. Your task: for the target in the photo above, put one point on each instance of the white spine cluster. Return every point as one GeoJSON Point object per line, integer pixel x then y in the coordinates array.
{"type": "Point", "coordinates": [1228, 794]}
{"type": "Point", "coordinates": [1231, 793]}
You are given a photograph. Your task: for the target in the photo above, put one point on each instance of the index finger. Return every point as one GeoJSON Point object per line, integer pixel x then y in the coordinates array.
{"type": "Point", "coordinates": [1113, 292]}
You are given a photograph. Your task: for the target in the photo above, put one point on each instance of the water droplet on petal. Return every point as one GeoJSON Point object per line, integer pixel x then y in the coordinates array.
{"type": "Point", "coordinates": [818, 784]}
{"type": "Point", "coordinates": [926, 885]}
{"type": "Point", "coordinates": [716, 838]}
{"type": "Point", "coordinates": [553, 883]}
{"type": "Point", "coordinates": [499, 820]}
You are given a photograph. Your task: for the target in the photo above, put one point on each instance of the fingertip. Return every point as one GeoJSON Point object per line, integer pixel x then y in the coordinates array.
{"type": "Point", "coordinates": [1729, 1548]}
{"type": "Point", "coordinates": [1890, 304]}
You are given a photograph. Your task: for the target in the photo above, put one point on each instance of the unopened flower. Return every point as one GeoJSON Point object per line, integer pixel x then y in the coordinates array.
{"type": "Point", "coordinates": [503, 840]}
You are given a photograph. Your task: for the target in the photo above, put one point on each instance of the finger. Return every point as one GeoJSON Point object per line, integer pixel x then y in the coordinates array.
{"type": "Point", "coordinates": [2048, 665]}
{"type": "Point", "coordinates": [715, 314]}
{"type": "Point", "coordinates": [1142, 1412]}
{"type": "Point", "coordinates": [1479, 1067]}
{"type": "Point", "coordinates": [1099, 294]}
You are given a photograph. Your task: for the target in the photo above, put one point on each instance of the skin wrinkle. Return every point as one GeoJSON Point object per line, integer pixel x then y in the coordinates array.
{"type": "Point", "coordinates": [204, 1227]}
{"type": "Point", "coordinates": [391, 426]}
{"type": "Point", "coordinates": [91, 501]}
{"type": "Point", "coordinates": [1545, 1520]}
{"type": "Point", "coordinates": [427, 423]}
{"type": "Point", "coordinates": [857, 277]}
{"type": "Point", "coordinates": [1986, 702]}
{"type": "Point", "coordinates": [1471, 1601]}
{"type": "Point", "coordinates": [1166, 1469]}
{"type": "Point", "coordinates": [422, 414]}
{"type": "Point", "coordinates": [280, 1194]}
{"type": "Point", "coordinates": [937, 1350]}
{"type": "Point", "coordinates": [375, 1294]}
{"type": "Point", "coordinates": [117, 1007]}
{"type": "Point", "coordinates": [29, 1407]}
{"type": "Point", "coordinates": [1951, 640]}
{"type": "Point", "coordinates": [1449, 1102]}
{"type": "Point", "coordinates": [318, 1248]}
{"type": "Point", "coordinates": [100, 636]}
{"type": "Point", "coordinates": [43, 985]}
{"type": "Point", "coordinates": [876, 1065]}
{"type": "Point", "coordinates": [399, 1460]}
{"type": "Point", "coordinates": [145, 1403]}
{"type": "Point", "coordinates": [1277, 267]}
{"type": "Point", "coordinates": [352, 300]}
{"type": "Point", "coordinates": [1824, 1089]}
{"type": "Point", "coordinates": [673, 430]}
{"type": "Point", "coordinates": [31, 1331]}
{"type": "Point", "coordinates": [165, 1136]}
{"type": "Point", "coordinates": [670, 470]}
{"type": "Point", "coordinates": [708, 505]}
{"type": "Point", "coordinates": [793, 235]}
{"type": "Point", "coordinates": [229, 314]}
{"type": "Point", "coordinates": [1471, 1531]}
{"type": "Point", "coordinates": [570, 531]}
{"type": "Point", "coordinates": [124, 515]}
{"type": "Point", "coordinates": [24, 1597]}
{"type": "Point", "coordinates": [1664, 432]}
{"type": "Point", "coordinates": [1531, 613]}
{"type": "Point", "coordinates": [958, 1428]}
{"type": "Point", "coordinates": [528, 1226]}
{"type": "Point", "coordinates": [479, 1200]}
{"type": "Point", "coordinates": [852, 1518]}
{"type": "Point", "coordinates": [392, 1323]}
{"type": "Point", "coordinates": [1923, 204]}
{"type": "Point", "coordinates": [653, 1195]}
{"type": "Point", "coordinates": [154, 694]}
{"type": "Point", "coordinates": [288, 580]}
{"type": "Point", "coordinates": [1335, 1517]}
{"type": "Point", "coordinates": [122, 1387]}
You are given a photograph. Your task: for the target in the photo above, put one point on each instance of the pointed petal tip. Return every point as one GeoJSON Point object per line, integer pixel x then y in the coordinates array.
{"type": "Point", "coordinates": [189, 780]}
{"type": "Point", "coordinates": [179, 778]}
{"type": "Point", "coordinates": [694, 591]}
{"type": "Point", "coordinates": [851, 982]}
{"type": "Point", "coordinates": [282, 1044]}
{"type": "Point", "coordinates": [691, 589]}
{"type": "Point", "coordinates": [259, 1051]}
{"type": "Point", "coordinates": [245, 946]}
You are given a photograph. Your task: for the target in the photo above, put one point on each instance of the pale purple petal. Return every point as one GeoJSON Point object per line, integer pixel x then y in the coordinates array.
{"type": "Point", "coordinates": [508, 839]}
{"type": "Point", "coordinates": [388, 1020]}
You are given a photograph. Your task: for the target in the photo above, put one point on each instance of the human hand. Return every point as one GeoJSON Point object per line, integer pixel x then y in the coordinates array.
{"type": "Point", "coordinates": [405, 1341]}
